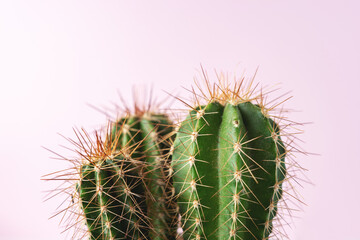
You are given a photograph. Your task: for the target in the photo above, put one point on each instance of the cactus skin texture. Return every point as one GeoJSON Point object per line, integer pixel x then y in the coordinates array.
{"type": "Point", "coordinates": [228, 164]}
{"type": "Point", "coordinates": [123, 190]}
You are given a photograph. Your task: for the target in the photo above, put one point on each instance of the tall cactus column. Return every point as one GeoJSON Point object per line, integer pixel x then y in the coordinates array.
{"type": "Point", "coordinates": [228, 164]}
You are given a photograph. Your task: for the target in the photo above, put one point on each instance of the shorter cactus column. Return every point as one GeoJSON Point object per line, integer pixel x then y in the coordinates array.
{"type": "Point", "coordinates": [108, 200]}
{"type": "Point", "coordinates": [109, 192]}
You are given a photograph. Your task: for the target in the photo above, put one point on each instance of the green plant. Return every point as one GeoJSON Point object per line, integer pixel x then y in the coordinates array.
{"type": "Point", "coordinates": [219, 175]}
{"type": "Point", "coordinates": [229, 165]}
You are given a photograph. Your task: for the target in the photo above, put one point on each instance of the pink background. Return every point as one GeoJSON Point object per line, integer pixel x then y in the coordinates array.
{"type": "Point", "coordinates": [57, 56]}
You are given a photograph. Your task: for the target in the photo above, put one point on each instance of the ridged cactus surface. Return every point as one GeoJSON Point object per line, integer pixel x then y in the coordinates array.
{"type": "Point", "coordinates": [228, 164]}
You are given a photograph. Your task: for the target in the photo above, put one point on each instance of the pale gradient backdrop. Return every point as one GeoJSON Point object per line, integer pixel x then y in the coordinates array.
{"type": "Point", "coordinates": [58, 56]}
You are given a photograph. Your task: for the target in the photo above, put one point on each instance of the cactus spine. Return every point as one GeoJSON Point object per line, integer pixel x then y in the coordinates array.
{"type": "Point", "coordinates": [228, 164]}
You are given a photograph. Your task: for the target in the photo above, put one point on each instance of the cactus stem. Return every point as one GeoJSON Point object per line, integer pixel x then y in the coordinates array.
{"type": "Point", "coordinates": [230, 143]}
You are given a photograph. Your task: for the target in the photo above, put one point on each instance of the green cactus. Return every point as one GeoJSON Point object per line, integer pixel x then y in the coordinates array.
{"type": "Point", "coordinates": [123, 189]}
{"type": "Point", "coordinates": [219, 175]}
{"type": "Point", "coordinates": [108, 200]}
{"type": "Point", "coordinates": [228, 164]}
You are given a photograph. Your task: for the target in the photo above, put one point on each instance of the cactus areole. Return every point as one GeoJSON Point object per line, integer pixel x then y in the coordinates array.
{"type": "Point", "coordinates": [228, 164]}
